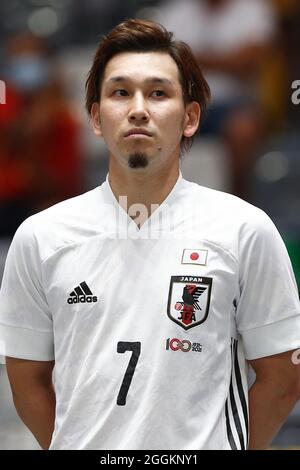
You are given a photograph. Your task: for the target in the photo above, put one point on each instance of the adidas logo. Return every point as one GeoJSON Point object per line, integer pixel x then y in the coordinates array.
{"type": "Point", "coordinates": [82, 294]}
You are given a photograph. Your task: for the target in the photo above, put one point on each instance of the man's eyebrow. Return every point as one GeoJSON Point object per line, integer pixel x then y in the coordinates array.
{"type": "Point", "coordinates": [124, 78]}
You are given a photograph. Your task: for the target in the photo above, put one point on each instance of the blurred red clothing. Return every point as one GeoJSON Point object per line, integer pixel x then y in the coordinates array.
{"type": "Point", "coordinates": [39, 149]}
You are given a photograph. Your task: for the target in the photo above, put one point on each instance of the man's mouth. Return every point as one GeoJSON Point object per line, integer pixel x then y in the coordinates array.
{"type": "Point", "coordinates": [137, 132]}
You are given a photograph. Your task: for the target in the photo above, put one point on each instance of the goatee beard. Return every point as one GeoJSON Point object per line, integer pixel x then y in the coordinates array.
{"type": "Point", "coordinates": [137, 160]}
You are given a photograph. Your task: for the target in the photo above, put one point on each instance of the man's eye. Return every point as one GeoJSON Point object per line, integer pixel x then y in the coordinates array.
{"type": "Point", "coordinates": [158, 93]}
{"type": "Point", "coordinates": [120, 92]}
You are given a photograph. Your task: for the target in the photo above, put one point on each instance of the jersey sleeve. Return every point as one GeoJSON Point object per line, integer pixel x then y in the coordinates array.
{"type": "Point", "coordinates": [268, 309]}
{"type": "Point", "coordinates": [26, 330]}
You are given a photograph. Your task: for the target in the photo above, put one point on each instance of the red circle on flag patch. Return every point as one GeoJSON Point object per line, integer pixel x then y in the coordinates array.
{"type": "Point", "coordinates": [194, 256]}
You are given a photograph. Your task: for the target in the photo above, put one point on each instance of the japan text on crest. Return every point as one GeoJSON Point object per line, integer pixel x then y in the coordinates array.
{"type": "Point", "coordinates": [189, 299]}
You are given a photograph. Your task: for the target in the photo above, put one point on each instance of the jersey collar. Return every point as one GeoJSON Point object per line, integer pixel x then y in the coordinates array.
{"type": "Point", "coordinates": [126, 223]}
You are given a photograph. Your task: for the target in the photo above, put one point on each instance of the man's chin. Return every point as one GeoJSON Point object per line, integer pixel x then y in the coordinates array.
{"type": "Point", "coordinates": [138, 160]}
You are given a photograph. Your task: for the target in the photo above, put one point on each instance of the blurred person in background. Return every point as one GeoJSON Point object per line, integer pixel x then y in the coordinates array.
{"type": "Point", "coordinates": [231, 40]}
{"type": "Point", "coordinates": [39, 153]}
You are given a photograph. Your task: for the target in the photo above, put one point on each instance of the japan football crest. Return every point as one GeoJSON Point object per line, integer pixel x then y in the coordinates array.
{"type": "Point", "coordinates": [189, 299]}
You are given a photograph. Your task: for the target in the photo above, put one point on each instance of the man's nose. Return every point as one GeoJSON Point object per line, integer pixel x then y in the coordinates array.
{"type": "Point", "coordinates": [138, 110]}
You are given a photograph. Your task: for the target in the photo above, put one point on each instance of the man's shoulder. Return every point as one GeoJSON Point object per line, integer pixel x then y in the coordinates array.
{"type": "Point", "coordinates": [79, 207]}
{"type": "Point", "coordinates": [219, 200]}
{"type": "Point", "coordinates": [229, 212]}
{"type": "Point", "coordinates": [64, 223]}
{"type": "Point", "coordinates": [230, 222]}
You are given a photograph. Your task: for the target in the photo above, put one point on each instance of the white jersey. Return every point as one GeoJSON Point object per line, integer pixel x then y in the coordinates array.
{"type": "Point", "coordinates": [149, 328]}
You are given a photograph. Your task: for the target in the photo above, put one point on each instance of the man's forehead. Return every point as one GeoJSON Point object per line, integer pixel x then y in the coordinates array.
{"type": "Point", "coordinates": [156, 67]}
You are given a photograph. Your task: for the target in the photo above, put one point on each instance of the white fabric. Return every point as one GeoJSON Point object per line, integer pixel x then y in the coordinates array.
{"type": "Point", "coordinates": [220, 31]}
{"type": "Point", "coordinates": [178, 398]}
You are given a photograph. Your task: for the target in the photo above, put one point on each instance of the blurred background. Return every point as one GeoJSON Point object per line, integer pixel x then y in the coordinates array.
{"type": "Point", "coordinates": [249, 143]}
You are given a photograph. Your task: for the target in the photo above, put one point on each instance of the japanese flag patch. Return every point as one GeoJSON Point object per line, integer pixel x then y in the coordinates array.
{"type": "Point", "coordinates": [194, 256]}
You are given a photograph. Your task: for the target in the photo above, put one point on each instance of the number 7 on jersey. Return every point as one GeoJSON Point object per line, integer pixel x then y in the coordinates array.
{"type": "Point", "coordinates": [136, 351]}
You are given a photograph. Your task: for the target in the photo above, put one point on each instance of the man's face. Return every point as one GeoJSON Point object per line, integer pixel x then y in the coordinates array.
{"type": "Point", "coordinates": [141, 94]}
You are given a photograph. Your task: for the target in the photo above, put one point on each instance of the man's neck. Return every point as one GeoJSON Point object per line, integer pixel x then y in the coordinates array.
{"type": "Point", "coordinates": [142, 187]}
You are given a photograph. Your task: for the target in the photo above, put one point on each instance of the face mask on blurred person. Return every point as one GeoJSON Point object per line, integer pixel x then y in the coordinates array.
{"type": "Point", "coordinates": [28, 73]}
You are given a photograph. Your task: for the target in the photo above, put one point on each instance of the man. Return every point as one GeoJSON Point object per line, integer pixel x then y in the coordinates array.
{"type": "Point", "coordinates": [148, 292]}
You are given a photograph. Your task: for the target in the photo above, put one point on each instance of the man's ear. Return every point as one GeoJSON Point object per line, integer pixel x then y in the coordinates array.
{"type": "Point", "coordinates": [191, 119]}
{"type": "Point", "coordinates": [95, 115]}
